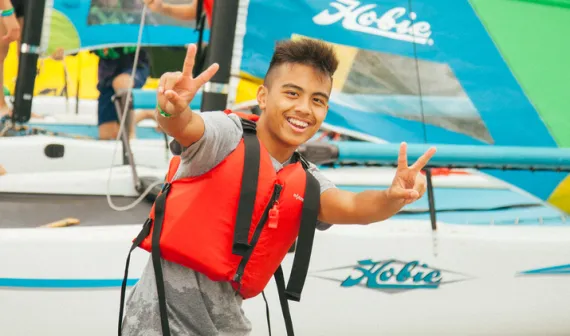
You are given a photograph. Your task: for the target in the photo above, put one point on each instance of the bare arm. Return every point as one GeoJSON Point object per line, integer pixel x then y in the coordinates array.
{"type": "Point", "coordinates": [344, 207]}
{"type": "Point", "coordinates": [186, 127]}
{"type": "Point", "coordinates": [186, 12]}
{"type": "Point", "coordinates": [180, 12]}
{"type": "Point", "coordinates": [5, 4]}
{"type": "Point", "coordinates": [10, 23]}
{"type": "Point", "coordinates": [175, 92]}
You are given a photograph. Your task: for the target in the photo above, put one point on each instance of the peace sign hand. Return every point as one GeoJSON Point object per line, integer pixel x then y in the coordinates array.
{"type": "Point", "coordinates": [408, 184]}
{"type": "Point", "coordinates": [177, 89]}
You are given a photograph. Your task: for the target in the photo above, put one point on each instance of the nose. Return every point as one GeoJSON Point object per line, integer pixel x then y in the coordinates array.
{"type": "Point", "coordinates": [303, 107]}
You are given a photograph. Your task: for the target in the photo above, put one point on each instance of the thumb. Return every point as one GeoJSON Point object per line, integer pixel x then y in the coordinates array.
{"type": "Point", "coordinates": [174, 98]}
{"type": "Point", "coordinates": [405, 194]}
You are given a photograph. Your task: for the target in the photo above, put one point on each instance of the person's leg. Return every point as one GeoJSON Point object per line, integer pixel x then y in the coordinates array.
{"type": "Point", "coordinates": [123, 81]}
{"type": "Point", "coordinates": [106, 114]}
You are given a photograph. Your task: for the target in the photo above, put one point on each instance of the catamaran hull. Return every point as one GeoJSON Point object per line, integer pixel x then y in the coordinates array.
{"type": "Point", "coordinates": [40, 153]}
{"type": "Point", "coordinates": [469, 280]}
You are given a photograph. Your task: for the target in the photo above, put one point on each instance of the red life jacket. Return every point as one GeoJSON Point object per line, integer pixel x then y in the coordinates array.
{"type": "Point", "coordinates": [236, 222]}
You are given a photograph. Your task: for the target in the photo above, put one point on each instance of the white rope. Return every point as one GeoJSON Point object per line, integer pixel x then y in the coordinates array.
{"type": "Point", "coordinates": [121, 129]}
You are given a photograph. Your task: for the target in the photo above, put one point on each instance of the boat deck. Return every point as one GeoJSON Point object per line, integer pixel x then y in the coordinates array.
{"type": "Point", "coordinates": [34, 210]}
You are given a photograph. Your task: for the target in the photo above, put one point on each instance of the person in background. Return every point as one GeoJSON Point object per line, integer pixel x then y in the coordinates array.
{"type": "Point", "coordinates": [184, 12]}
{"type": "Point", "coordinates": [115, 68]}
{"type": "Point", "coordinates": [114, 75]}
{"type": "Point", "coordinates": [11, 23]}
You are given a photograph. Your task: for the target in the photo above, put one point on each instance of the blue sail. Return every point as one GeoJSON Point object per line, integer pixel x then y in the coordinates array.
{"type": "Point", "coordinates": [92, 24]}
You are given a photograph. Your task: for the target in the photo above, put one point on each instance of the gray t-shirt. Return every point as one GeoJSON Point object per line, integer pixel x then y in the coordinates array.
{"type": "Point", "coordinates": [196, 305]}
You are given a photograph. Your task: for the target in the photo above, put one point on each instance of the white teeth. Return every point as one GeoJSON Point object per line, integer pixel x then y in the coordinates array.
{"type": "Point", "coordinates": [297, 122]}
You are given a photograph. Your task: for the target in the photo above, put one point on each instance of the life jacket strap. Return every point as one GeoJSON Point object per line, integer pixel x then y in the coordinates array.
{"type": "Point", "coordinates": [248, 191]}
{"type": "Point", "coordinates": [136, 242]}
{"type": "Point", "coordinates": [303, 251]}
{"type": "Point", "coordinates": [159, 209]}
{"type": "Point", "coordinates": [248, 126]}
{"type": "Point", "coordinates": [298, 157]}
{"type": "Point", "coordinates": [267, 312]}
{"type": "Point", "coordinates": [300, 268]}
{"type": "Point", "coordinates": [280, 282]}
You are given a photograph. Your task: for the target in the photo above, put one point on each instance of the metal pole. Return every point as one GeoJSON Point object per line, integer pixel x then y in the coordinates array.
{"type": "Point", "coordinates": [431, 199]}
{"type": "Point", "coordinates": [222, 35]}
{"type": "Point", "coordinates": [27, 65]}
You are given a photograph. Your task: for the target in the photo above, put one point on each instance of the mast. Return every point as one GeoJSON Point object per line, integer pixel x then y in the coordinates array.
{"type": "Point", "coordinates": [27, 65]}
{"type": "Point", "coordinates": [222, 36]}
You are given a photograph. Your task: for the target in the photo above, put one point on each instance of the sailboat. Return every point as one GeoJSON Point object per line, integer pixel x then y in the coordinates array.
{"type": "Point", "coordinates": [487, 246]}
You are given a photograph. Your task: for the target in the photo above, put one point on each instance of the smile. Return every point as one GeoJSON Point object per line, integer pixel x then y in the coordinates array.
{"type": "Point", "coordinates": [297, 125]}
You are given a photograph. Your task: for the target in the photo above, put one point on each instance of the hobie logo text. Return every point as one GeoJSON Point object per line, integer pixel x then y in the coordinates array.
{"type": "Point", "coordinates": [393, 274]}
{"type": "Point", "coordinates": [394, 23]}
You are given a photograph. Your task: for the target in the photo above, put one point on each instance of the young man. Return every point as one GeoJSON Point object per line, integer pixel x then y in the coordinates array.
{"type": "Point", "coordinates": [294, 102]}
{"type": "Point", "coordinates": [11, 24]}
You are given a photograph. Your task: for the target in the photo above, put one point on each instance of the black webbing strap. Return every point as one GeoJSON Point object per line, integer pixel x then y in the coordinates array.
{"type": "Point", "coordinates": [267, 312]}
{"type": "Point", "coordinates": [199, 10]}
{"type": "Point", "coordinates": [145, 231]}
{"type": "Point", "coordinates": [304, 248]}
{"type": "Point", "coordinates": [307, 230]}
{"type": "Point", "coordinates": [159, 208]}
{"type": "Point", "coordinates": [280, 281]}
{"type": "Point", "coordinates": [200, 51]}
{"type": "Point", "coordinates": [248, 189]}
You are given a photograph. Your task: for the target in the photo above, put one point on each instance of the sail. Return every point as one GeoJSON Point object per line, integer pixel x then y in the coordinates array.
{"type": "Point", "coordinates": [473, 72]}
{"type": "Point", "coordinates": [91, 24]}
{"type": "Point", "coordinates": [426, 71]}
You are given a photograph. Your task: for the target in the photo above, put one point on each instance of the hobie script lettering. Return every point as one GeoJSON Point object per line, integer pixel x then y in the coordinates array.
{"type": "Point", "coordinates": [364, 18]}
{"type": "Point", "coordinates": [390, 274]}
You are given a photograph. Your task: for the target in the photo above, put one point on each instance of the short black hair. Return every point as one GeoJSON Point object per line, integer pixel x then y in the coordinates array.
{"type": "Point", "coordinates": [311, 52]}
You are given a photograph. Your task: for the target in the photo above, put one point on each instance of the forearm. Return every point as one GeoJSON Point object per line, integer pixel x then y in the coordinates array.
{"type": "Point", "coordinates": [5, 4]}
{"type": "Point", "coordinates": [374, 206]}
{"type": "Point", "coordinates": [180, 12]}
{"type": "Point", "coordinates": [344, 207]}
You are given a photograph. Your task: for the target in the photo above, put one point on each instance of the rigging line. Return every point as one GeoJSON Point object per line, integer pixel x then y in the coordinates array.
{"type": "Point", "coordinates": [121, 129]}
{"type": "Point", "coordinates": [430, 191]}
{"type": "Point", "coordinates": [419, 82]}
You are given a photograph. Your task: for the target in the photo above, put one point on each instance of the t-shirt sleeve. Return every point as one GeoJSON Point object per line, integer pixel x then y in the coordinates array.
{"type": "Point", "coordinates": [221, 136]}
{"type": "Point", "coordinates": [325, 184]}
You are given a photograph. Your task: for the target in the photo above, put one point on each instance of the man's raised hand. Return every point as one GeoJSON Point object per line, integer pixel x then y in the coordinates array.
{"type": "Point", "coordinates": [408, 184]}
{"type": "Point", "coordinates": [177, 89]}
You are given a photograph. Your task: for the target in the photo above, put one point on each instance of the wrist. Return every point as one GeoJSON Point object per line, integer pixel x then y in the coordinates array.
{"type": "Point", "coordinates": [6, 12]}
{"type": "Point", "coordinates": [165, 114]}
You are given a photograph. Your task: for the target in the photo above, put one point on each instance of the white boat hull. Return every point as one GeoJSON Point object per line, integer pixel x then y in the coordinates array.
{"type": "Point", "coordinates": [27, 154]}
{"type": "Point", "coordinates": [66, 281]}
{"type": "Point", "coordinates": [481, 291]}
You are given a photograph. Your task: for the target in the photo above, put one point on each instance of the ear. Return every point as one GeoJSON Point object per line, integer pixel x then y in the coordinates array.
{"type": "Point", "coordinates": [262, 97]}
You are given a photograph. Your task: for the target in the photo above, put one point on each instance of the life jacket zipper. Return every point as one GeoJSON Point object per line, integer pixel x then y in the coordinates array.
{"type": "Point", "coordinates": [257, 232]}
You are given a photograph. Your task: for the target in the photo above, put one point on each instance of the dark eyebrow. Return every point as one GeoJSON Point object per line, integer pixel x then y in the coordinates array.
{"type": "Point", "coordinates": [296, 87]}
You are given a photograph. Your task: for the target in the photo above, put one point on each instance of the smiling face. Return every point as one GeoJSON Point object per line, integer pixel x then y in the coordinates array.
{"type": "Point", "coordinates": [294, 102]}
